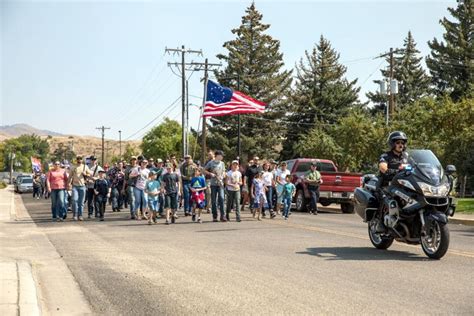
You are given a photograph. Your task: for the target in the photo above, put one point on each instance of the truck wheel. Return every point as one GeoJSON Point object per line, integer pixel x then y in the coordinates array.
{"type": "Point", "coordinates": [324, 203]}
{"type": "Point", "coordinates": [347, 208]}
{"type": "Point", "coordinates": [300, 201]}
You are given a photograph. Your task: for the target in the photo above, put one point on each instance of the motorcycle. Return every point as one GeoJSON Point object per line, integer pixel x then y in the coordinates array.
{"type": "Point", "coordinates": [414, 207]}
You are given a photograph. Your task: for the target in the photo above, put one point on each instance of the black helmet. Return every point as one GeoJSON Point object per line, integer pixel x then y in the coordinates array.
{"type": "Point", "coordinates": [394, 136]}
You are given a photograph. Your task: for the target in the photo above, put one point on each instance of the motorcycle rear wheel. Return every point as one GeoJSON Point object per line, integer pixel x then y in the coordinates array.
{"type": "Point", "coordinates": [379, 241]}
{"type": "Point", "coordinates": [435, 243]}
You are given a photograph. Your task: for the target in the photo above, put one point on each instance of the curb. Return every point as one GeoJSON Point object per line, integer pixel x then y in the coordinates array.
{"type": "Point", "coordinates": [467, 222]}
{"type": "Point", "coordinates": [27, 295]}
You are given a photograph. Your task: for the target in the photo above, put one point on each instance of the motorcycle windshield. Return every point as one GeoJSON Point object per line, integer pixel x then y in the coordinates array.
{"type": "Point", "coordinates": [426, 166]}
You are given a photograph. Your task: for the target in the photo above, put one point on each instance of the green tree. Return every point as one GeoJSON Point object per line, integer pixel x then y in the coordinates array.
{"type": "Point", "coordinates": [24, 147]}
{"type": "Point", "coordinates": [413, 82]}
{"type": "Point", "coordinates": [63, 152]}
{"type": "Point", "coordinates": [322, 93]}
{"type": "Point", "coordinates": [253, 65]}
{"type": "Point", "coordinates": [129, 152]}
{"type": "Point", "coordinates": [451, 61]}
{"type": "Point", "coordinates": [162, 140]}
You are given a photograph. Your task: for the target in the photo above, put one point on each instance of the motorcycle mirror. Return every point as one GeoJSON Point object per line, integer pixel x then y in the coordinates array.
{"type": "Point", "coordinates": [450, 169]}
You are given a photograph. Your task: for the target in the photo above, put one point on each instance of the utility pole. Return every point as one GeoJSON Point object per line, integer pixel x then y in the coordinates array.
{"type": "Point", "coordinates": [184, 109]}
{"type": "Point", "coordinates": [120, 145]}
{"type": "Point", "coordinates": [103, 128]}
{"type": "Point", "coordinates": [392, 83]}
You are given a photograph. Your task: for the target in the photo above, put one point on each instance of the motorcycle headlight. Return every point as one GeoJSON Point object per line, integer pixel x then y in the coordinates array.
{"type": "Point", "coordinates": [406, 184]}
{"type": "Point", "coordinates": [430, 190]}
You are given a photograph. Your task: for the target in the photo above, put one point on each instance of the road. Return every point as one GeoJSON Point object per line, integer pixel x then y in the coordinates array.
{"type": "Point", "coordinates": [307, 265]}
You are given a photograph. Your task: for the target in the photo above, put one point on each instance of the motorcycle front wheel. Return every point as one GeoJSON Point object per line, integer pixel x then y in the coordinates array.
{"type": "Point", "coordinates": [378, 240]}
{"type": "Point", "coordinates": [435, 242]}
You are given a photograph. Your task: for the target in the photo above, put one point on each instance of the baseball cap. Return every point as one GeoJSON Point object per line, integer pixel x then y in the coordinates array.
{"type": "Point", "coordinates": [159, 160]}
{"type": "Point", "coordinates": [235, 162]}
{"type": "Point", "coordinates": [219, 153]}
{"type": "Point", "coordinates": [169, 165]}
{"type": "Point", "coordinates": [93, 158]}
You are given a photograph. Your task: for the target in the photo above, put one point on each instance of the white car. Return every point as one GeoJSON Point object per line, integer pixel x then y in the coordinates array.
{"type": "Point", "coordinates": [24, 184]}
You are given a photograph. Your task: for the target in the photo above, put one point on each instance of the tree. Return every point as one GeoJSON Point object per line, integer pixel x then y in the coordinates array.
{"type": "Point", "coordinates": [24, 147]}
{"type": "Point", "coordinates": [63, 152]}
{"type": "Point", "coordinates": [322, 93]}
{"type": "Point", "coordinates": [450, 62]}
{"type": "Point", "coordinates": [413, 83]}
{"type": "Point", "coordinates": [129, 152]}
{"type": "Point", "coordinates": [253, 66]}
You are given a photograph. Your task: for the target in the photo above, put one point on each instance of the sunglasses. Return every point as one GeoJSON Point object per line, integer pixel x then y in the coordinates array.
{"type": "Point", "coordinates": [400, 142]}
{"type": "Point", "coordinates": [56, 164]}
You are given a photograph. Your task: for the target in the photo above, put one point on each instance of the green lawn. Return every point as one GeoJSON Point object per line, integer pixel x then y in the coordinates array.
{"type": "Point", "coordinates": [465, 206]}
{"type": "Point", "coordinates": [3, 185]}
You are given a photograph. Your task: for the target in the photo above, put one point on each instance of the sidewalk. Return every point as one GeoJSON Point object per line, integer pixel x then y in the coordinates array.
{"type": "Point", "coordinates": [34, 279]}
{"type": "Point", "coordinates": [462, 218]}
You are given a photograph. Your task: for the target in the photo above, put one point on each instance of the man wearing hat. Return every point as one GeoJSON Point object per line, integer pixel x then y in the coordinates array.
{"type": "Point", "coordinates": [187, 173]}
{"type": "Point", "coordinates": [312, 178]}
{"type": "Point", "coordinates": [94, 169]}
{"type": "Point", "coordinates": [252, 170]}
{"type": "Point", "coordinates": [77, 183]}
{"type": "Point", "coordinates": [129, 184]}
{"type": "Point", "coordinates": [215, 169]}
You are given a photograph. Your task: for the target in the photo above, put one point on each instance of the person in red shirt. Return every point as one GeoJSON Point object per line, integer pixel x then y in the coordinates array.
{"type": "Point", "coordinates": [56, 182]}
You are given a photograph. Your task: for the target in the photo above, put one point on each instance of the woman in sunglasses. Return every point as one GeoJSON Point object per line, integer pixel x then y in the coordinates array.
{"type": "Point", "coordinates": [56, 182]}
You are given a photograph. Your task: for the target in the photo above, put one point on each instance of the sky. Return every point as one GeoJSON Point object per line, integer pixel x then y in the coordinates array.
{"type": "Point", "coordinates": [71, 66]}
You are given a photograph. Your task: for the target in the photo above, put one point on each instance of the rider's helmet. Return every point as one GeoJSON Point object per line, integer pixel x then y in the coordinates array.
{"type": "Point", "coordinates": [394, 136]}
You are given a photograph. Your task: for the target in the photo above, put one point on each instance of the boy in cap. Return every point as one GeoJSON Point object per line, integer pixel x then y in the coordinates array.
{"type": "Point", "coordinates": [102, 193]}
{"type": "Point", "coordinates": [312, 178]}
{"type": "Point", "coordinates": [233, 183]}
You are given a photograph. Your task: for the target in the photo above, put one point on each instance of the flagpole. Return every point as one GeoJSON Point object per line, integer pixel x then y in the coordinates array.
{"type": "Point", "coordinates": [204, 125]}
{"type": "Point", "coordinates": [239, 150]}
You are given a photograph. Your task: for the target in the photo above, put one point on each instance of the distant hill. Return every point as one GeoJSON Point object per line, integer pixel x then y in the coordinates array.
{"type": "Point", "coordinates": [16, 130]}
{"type": "Point", "coordinates": [83, 145]}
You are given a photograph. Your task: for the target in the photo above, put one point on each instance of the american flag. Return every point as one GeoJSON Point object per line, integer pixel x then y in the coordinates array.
{"type": "Point", "coordinates": [225, 101]}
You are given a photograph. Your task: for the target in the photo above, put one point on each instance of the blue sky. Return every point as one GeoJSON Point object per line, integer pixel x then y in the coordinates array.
{"type": "Point", "coordinates": [71, 66]}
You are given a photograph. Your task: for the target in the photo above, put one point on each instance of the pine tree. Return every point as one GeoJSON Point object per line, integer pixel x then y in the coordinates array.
{"type": "Point", "coordinates": [322, 94]}
{"type": "Point", "coordinates": [451, 61]}
{"type": "Point", "coordinates": [253, 66]}
{"type": "Point", "coordinates": [413, 83]}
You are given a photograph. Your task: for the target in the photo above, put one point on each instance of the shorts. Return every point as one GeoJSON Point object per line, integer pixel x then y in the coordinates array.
{"type": "Point", "coordinates": [198, 199]}
{"type": "Point", "coordinates": [171, 201]}
{"type": "Point", "coordinates": [153, 205]}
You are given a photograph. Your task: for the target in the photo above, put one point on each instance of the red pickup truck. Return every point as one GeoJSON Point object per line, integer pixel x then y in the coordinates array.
{"type": "Point", "coordinates": [337, 187]}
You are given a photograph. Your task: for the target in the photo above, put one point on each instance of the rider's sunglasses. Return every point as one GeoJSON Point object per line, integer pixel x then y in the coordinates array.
{"type": "Point", "coordinates": [400, 142]}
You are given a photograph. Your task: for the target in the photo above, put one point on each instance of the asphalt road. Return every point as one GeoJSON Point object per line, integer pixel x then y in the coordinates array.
{"type": "Point", "coordinates": [307, 265]}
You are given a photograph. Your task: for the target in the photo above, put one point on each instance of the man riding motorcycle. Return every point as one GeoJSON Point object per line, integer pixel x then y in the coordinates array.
{"type": "Point", "coordinates": [389, 164]}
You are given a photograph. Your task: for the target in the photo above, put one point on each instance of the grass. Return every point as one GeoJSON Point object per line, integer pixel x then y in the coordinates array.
{"type": "Point", "coordinates": [465, 206]}
{"type": "Point", "coordinates": [3, 185]}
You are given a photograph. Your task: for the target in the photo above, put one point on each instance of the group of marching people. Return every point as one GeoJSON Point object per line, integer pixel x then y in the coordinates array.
{"type": "Point", "coordinates": [156, 189]}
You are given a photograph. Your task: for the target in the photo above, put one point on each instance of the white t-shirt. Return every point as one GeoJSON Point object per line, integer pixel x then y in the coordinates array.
{"type": "Point", "coordinates": [142, 177]}
{"type": "Point", "coordinates": [233, 177]}
{"type": "Point", "coordinates": [267, 178]}
{"type": "Point", "coordinates": [282, 174]}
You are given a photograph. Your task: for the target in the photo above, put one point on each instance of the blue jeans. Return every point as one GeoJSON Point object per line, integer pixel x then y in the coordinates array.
{"type": "Point", "coordinates": [161, 203]}
{"type": "Point", "coordinates": [116, 198]}
{"type": "Point", "coordinates": [187, 196]}
{"type": "Point", "coordinates": [58, 203]}
{"type": "Point", "coordinates": [287, 205]}
{"type": "Point", "coordinates": [153, 205]}
{"type": "Point", "coordinates": [140, 199]}
{"type": "Point", "coordinates": [314, 199]}
{"type": "Point", "coordinates": [269, 194]}
{"type": "Point", "coordinates": [78, 197]}
{"type": "Point", "coordinates": [217, 196]}
{"type": "Point", "coordinates": [131, 199]}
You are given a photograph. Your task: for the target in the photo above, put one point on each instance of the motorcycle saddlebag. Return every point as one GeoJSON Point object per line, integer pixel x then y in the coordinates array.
{"type": "Point", "coordinates": [364, 201]}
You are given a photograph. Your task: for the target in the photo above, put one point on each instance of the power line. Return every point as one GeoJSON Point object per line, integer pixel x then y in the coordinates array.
{"type": "Point", "coordinates": [154, 119]}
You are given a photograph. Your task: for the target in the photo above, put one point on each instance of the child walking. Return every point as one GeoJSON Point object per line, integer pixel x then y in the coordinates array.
{"type": "Point", "coordinates": [198, 189]}
{"type": "Point", "coordinates": [258, 191]}
{"type": "Point", "coordinates": [152, 188]}
{"type": "Point", "coordinates": [288, 192]}
{"type": "Point", "coordinates": [102, 190]}
{"type": "Point", "coordinates": [171, 186]}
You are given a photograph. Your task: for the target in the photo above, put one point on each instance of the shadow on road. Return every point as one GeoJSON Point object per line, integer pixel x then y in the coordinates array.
{"type": "Point", "coordinates": [361, 253]}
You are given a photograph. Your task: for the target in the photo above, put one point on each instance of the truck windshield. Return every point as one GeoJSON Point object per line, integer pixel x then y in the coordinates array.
{"type": "Point", "coordinates": [322, 166]}
{"type": "Point", "coordinates": [26, 180]}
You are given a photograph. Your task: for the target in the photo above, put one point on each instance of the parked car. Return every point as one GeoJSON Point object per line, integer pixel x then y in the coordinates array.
{"type": "Point", "coordinates": [24, 184]}
{"type": "Point", "coordinates": [337, 187]}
